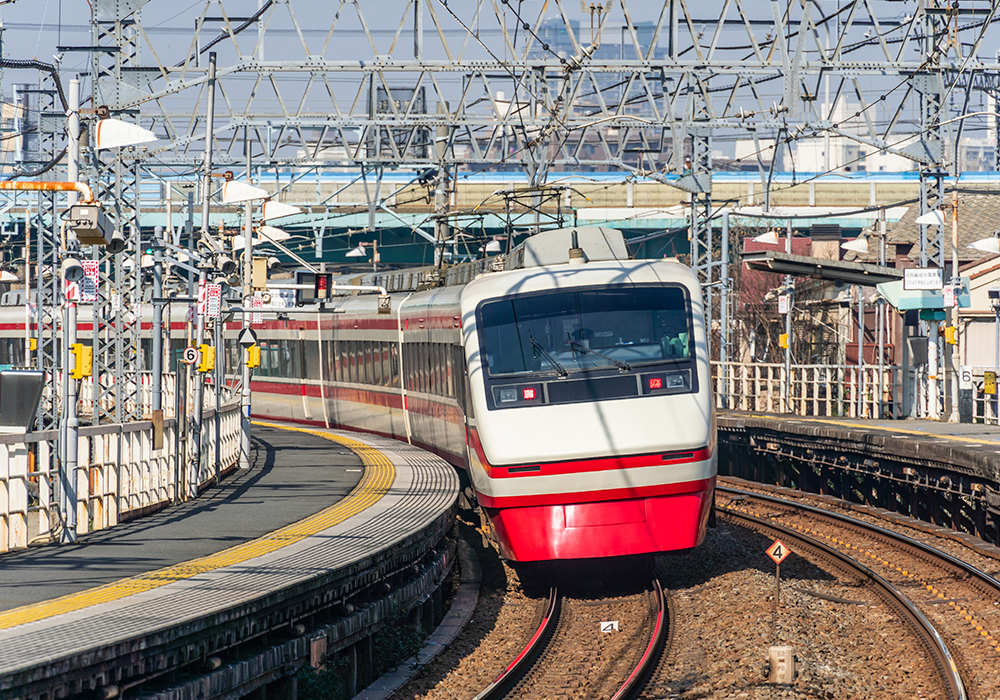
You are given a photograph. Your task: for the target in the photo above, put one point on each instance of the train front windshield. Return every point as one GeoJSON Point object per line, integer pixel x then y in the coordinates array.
{"type": "Point", "coordinates": [565, 331]}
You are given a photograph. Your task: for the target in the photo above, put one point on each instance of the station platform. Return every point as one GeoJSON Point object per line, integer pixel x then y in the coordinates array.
{"type": "Point", "coordinates": [945, 475]}
{"type": "Point", "coordinates": [317, 514]}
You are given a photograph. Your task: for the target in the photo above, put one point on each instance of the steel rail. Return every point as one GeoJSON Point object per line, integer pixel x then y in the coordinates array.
{"type": "Point", "coordinates": [516, 668]}
{"type": "Point", "coordinates": [943, 658]}
{"type": "Point", "coordinates": [637, 678]}
{"type": "Point", "coordinates": [920, 547]}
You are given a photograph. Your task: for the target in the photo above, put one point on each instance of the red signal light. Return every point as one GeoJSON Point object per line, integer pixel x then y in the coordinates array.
{"type": "Point", "coordinates": [656, 382]}
{"type": "Point", "coordinates": [528, 394]}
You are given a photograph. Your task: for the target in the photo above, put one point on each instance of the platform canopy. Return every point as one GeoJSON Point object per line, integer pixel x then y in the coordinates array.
{"type": "Point", "coordinates": [864, 274]}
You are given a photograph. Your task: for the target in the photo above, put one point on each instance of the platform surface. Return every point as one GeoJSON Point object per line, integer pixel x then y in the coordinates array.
{"type": "Point", "coordinates": [336, 520]}
{"type": "Point", "coordinates": [928, 429]}
{"type": "Point", "coordinates": [292, 475]}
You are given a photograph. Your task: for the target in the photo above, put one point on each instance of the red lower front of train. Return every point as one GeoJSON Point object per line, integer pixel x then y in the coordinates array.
{"type": "Point", "coordinates": [606, 528]}
{"type": "Point", "coordinates": [611, 522]}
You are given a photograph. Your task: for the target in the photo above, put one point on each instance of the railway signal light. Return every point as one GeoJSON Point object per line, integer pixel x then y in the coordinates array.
{"type": "Point", "coordinates": [322, 285]}
{"type": "Point", "coordinates": [207, 362]}
{"type": "Point", "coordinates": [253, 356]}
{"type": "Point", "coordinates": [83, 363]}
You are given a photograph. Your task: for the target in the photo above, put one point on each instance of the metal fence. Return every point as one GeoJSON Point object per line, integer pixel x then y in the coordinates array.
{"type": "Point", "coordinates": [816, 390]}
{"type": "Point", "coordinates": [119, 475]}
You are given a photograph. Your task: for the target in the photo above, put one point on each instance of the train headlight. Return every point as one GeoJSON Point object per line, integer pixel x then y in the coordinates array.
{"type": "Point", "coordinates": [512, 395]}
{"type": "Point", "coordinates": [666, 382]}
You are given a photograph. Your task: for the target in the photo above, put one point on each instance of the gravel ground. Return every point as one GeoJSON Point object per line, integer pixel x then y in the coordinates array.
{"type": "Point", "coordinates": [722, 598]}
{"type": "Point", "coordinates": [504, 620]}
{"type": "Point", "coordinates": [723, 601]}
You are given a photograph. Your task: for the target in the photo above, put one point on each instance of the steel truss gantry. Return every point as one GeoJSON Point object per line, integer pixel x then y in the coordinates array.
{"type": "Point", "coordinates": [538, 86]}
{"type": "Point", "coordinates": [431, 84]}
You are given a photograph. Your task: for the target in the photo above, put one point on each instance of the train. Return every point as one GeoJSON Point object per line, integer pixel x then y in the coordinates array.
{"type": "Point", "coordinates": [568, 383]}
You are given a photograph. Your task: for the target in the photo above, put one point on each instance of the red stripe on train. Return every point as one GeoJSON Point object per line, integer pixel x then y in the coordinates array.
{"type": "Point", "coordinates": [548, 499]}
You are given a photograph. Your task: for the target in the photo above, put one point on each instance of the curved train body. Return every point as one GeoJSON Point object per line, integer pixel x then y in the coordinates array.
{"type": "Point", "coordinates": [575, 396]}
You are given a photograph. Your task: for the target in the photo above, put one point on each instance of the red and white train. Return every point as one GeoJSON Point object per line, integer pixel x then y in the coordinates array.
{"type": "Point", "coordinates": [571, 387]}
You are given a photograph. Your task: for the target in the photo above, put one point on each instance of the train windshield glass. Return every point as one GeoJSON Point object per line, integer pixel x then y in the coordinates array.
{"type": "Point", "coordinates": [582, 330]}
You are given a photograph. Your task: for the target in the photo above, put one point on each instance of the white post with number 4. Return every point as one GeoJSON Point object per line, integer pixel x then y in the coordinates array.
{"type": "Point", "coordinates": [778, 553]}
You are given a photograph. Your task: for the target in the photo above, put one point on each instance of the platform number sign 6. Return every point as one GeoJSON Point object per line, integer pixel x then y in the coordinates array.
{"type": "Point", "coordinates": [778, 551]}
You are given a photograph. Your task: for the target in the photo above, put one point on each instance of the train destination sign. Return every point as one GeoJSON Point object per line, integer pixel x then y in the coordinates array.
{"type": "Point", "coordinates": [778, 551]}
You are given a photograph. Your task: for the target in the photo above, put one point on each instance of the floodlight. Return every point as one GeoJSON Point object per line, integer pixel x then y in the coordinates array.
{"type": "Point", "coordinates": [771, 238]}
{"type": "Point", "coordinates": [234, 191]}
{"type": "Point", "coordinates": [277, 210]}
{"type": "Point", "coordinates": [272, 233]}
{"type": "Point", "coordinates": [931, 218]}
{"type": "Point", "coordinates": [858, 245]}
{"type": "Point", "coordinates": [987, 245]}
{"type": "Point", "coordinates": [114, 133]}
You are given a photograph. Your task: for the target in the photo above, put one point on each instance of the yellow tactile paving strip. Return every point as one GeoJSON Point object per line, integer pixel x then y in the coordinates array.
{"type": "Point", "coordinates": [378, 477]}
{"type": "Point", "coordinates": [884, 428]}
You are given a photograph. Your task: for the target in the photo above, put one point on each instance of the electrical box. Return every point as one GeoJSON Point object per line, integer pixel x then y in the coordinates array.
{"type": "Point", "coordinates": [253, 356]}
{"type": "Point", "coordinates": [207, 361]}
{"type": "Point", "coordinates": [990, 383]}
{"type": "Point", "coordinates": [258, 274]}
{"type": "Point", "coordinates": [83, 365]}
{"type": "Point", "coordinates": [783, 340]}
{"type": "Point", "coordinates": [90, 224]}
{"type": "Point", "coordinates": [951, 335]}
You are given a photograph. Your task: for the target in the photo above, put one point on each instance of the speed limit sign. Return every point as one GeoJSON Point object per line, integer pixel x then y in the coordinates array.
{"type": "Point", "coordinates": [190, 355]}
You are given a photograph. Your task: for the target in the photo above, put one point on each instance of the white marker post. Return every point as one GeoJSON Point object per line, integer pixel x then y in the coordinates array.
{"type": "Point", "coordinates": [777, 551]}
{"type": "Point", "coordinates": [781, 660]}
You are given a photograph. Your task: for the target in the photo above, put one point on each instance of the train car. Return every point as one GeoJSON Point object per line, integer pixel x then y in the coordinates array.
{"type": "Point", "coordinates": [571, 386]}
{"type": "Point", "coordinates": [568, 383]}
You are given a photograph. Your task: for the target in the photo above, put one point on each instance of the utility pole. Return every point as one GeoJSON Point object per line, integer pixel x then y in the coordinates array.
{"type": "Point", "coordinates": [203, 268]}
{"type": "Point", "coordinates": [245, 397]}
{"type": "Point", "coordinates": [956, 284]}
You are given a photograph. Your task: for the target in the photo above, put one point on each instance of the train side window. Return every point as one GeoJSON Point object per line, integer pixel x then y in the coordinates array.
{"type": "Point", "coordinates": [409, 366]}
{"type": "Point", "coordinates": [449, 379]}
{"type": "Point", "coordinates": [384, 367]}
{"type": "Point", "coordinates": [366, 361]}
{"type": "Point", "coordinates": [286, 359]}
{"type": "Point", "coordinates": [393, 360]}
{"type": "Point", "coordinates": [310, 357]}
{"type": "Point", "coordinates": [432, 385]}
{"type": "Point", "coordinates": [338, 361]}
{"type": "Point", "coordinates": [294, 357]}
{"type": "Point", "coordinates": [376, 360]}
{"type": "Point", "coordinates": [422, 367]}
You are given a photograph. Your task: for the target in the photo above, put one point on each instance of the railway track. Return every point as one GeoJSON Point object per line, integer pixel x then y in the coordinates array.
{"type": "Point", "coordinates": [953, 607]}
{"type": "Point", "coordinates": [572, 655]}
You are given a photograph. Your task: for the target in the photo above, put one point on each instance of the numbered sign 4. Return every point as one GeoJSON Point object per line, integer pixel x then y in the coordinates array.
{"type": "Point", "coordinates": [778, 551]}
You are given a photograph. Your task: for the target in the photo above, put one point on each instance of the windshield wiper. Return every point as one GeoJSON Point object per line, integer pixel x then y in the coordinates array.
{"type": "Point", "coordinates": [538, 346]}
{"type": "Point", "coordinates": [623, 366]}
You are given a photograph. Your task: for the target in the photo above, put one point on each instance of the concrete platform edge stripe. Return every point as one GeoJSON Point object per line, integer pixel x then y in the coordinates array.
{"type": "Point", "coordinates": [378, 477]}
{"type": "Point", "coordinates": [885, 428]}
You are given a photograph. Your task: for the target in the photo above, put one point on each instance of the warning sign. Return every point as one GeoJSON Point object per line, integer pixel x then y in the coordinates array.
{"type": "Point", "coordinates": [213, 300]}
{"type": "Point", "coordinates": [256, 302]}
{"type": "Point", "coordinates": [88, 294]}
{"type": "Point", "coordinates": [778, 551]}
